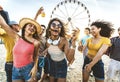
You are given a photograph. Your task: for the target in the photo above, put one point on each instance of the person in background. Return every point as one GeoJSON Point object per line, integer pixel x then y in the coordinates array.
{"type": "Point", "coordinates": [58, 49]}
{"type": "Point", "coordinates": [45, 57]}
{"type": "Point", "coordinates": [43, 60]}
{"type": "Point", "coordinates": [112, 32]}
{"type": "Point", "coordinates": [15, 26]}
{"type": "Point", "coordinates": [5, 15]}
{"type": "Point", "coordinates": [9, 44]}
{"type": "Point", "coordinates": [74, 36]}
{"type": "Point", "coordinates": [25, 51]}
{"type": "Point", "coordinates": [114, 53]}
{"type": "Point", "coordinates": [97, 46]}
{"type": "Point", "coordinates": [83, 41]}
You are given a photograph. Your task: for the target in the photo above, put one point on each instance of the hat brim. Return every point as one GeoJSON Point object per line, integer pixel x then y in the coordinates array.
{"type": "Point", "coordinates": [24, 21]}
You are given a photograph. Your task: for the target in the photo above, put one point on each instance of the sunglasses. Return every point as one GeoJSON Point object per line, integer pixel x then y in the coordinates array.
{"type": "Point", "coordinates": [54, 25]}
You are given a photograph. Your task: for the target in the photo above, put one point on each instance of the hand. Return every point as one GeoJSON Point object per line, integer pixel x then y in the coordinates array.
{"type": "Point", "coordinates": [88, 67]}
{"type": "Point", "coordinates": [71, 62]}
{"type": "Point", "coordinates": [33, 72]}
{"type": "Point", "coordinates": [75, 34]}
{"type": "Point", "coordinates": [44, 53]}
{"type": "Point", "coordinates": [80, 48]}
{"type": "Point", "coordinates": [39, 12]}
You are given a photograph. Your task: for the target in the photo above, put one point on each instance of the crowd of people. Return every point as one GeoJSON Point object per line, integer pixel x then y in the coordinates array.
{"type": "Point", "coordinates": [41, 52]}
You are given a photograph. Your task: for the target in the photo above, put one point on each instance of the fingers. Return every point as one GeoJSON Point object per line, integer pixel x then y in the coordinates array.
{"type": "Point", "coordinates": [30, 73]}
{"type": "Point", "coordinates": [87, 68]}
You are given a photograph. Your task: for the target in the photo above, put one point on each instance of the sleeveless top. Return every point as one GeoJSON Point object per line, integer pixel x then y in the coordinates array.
{"type": "Point", "coordinates": [23, 53]}
{"type": "Point", "coordinates": [55, 53]}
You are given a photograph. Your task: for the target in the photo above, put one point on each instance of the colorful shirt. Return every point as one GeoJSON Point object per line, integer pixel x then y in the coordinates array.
{"type": "Point", "coordinates": [23, 53]}
{"type": "Point", "coordinates": [9, 44]}
{"type": "Point", "coordinates": [84, 39]}
{"type": "Point", "coordinates": [94, 48]}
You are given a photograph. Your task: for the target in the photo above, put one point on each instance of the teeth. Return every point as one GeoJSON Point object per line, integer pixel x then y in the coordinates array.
{"type": "Point", "coordinates": [31, 30]}
{"type": "Point", "coordinates": [55, 30]}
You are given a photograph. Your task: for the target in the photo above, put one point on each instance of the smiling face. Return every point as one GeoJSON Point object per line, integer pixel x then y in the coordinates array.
{"type": "Point", "coordinates": [55, 28]}
{"type": "Point", "coordinates": [95, 31]}
{"type": "Point", "coordinates": [87, 31]}
{"type": "Point", "coordinates": [30, 29]}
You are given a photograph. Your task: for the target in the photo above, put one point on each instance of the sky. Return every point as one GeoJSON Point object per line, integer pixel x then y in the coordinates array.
{"type": "Point", "coordinates": [107, 10]}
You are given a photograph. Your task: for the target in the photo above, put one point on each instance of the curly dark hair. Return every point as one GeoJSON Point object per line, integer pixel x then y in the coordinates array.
{"type": "Point", "coordinates": [63, 31]}
{"type": "Point", "coordinates": [106, 27]}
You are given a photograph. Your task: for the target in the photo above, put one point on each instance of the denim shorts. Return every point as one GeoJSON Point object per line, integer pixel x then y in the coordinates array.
{"type": "Point", "coordinates": [39, 72]}
{"type": "Point", "coordinates": [58, 69]}
{"type": "Point", "coordinates": [22, 73]}
{"type": "Point", "coordinates": [47, 65]}
{"type": "Point", "coordinates": [98, 68]}
{"type": "Point", "coordinates": [41, 63]}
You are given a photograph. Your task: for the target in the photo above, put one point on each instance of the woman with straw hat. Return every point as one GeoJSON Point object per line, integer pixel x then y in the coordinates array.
{"type": "Point", "coordinates": [25, 50]}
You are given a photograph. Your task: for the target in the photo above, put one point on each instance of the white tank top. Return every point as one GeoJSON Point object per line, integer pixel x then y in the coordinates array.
{"type": "Point", "coordinates": [55, 53]}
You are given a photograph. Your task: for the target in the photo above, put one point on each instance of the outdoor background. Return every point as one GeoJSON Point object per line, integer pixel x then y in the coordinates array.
{"type": "Point", "coordinates": [98, 9]}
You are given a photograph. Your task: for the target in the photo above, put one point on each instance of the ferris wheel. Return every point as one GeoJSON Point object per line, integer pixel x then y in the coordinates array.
{"type": "Point", "coordinates": [73, 13]}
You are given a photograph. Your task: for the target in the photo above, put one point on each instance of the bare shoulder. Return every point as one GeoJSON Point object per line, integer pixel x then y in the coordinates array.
{"type": "Point", "coordinates": [63, 41]}
{"type": "Point", "coordinates": [36, 42]}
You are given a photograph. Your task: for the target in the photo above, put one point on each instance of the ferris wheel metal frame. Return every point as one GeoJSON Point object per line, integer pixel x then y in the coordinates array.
{"type": "Point", "coordinates": [70, 11]}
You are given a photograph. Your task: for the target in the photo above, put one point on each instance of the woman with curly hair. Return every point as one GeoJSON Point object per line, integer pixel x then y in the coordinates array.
{"type": "Point", "coordinates": [97, 45]}
{"type": "Point", "coordinates": [58, 50]}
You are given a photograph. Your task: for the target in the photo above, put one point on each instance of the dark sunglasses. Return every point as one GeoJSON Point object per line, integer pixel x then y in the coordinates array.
{"type": "Point", "coordinates": [54, 25]}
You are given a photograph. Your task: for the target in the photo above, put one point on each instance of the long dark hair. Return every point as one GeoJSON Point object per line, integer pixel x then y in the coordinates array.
{"type": "Point", "coordinates": [106, 27]}
{"type": "Point", "coordinates": [63, 31]}
{"type": "Point", "coordinates": [35, 35]}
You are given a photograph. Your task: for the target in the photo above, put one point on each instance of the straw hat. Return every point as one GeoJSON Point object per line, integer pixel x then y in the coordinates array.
{"type": "Point", "coordinates": [24, 21]}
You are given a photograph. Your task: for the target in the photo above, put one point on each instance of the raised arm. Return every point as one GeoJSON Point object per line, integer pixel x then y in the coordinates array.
{"type": "Point", "coordinates": [69, 52]}
{"type": "Point", "coordinates": [7, 28]}
{"type": "Point", "coordinates": [38, 13]}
